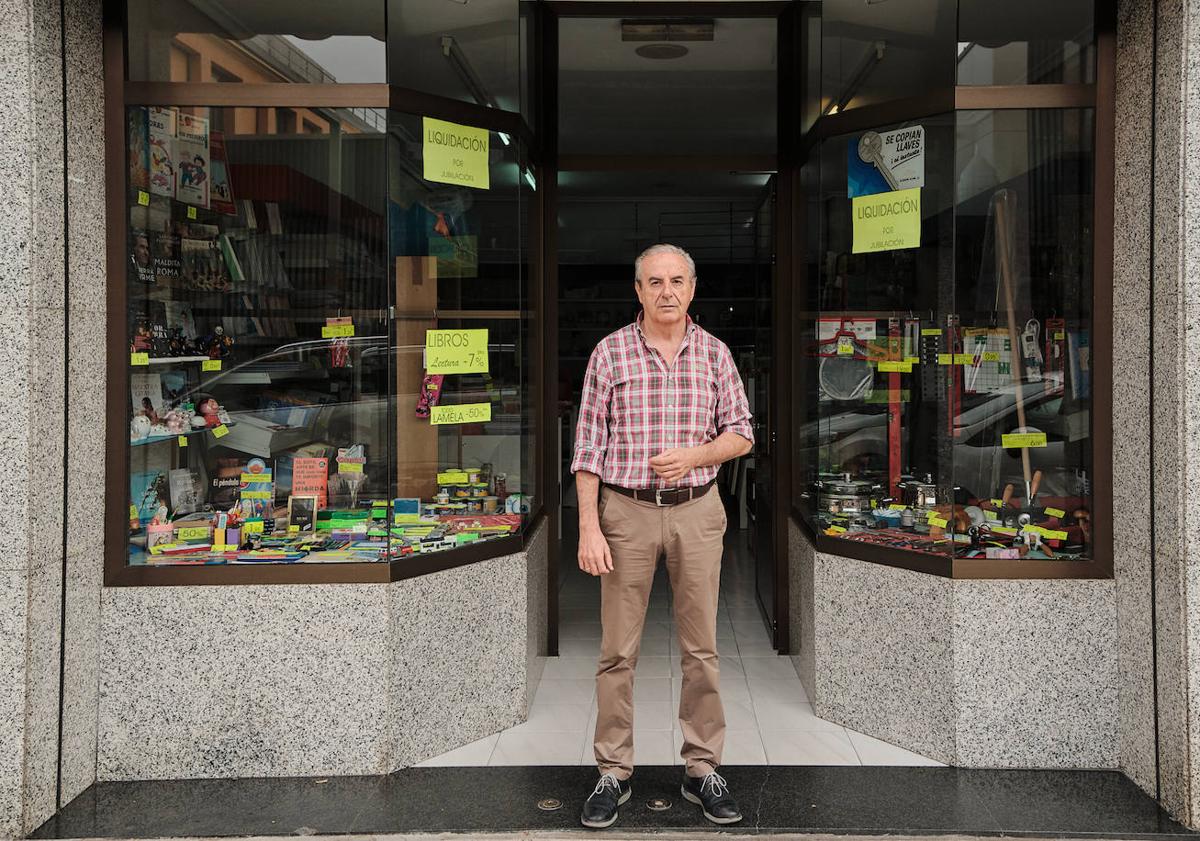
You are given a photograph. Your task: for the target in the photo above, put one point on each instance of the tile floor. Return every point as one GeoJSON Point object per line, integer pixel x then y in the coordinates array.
{"type": "Point", "coordinates": [768, 717]}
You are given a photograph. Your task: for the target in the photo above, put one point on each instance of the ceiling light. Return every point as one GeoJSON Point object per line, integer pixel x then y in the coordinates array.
{"type": "Point", "coordinates": [662, 51]}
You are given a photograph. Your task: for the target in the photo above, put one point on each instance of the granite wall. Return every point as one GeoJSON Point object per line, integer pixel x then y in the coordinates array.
{"type": "Point", "coordinates": [300, 680]}
{"type": "Point", "coordinates": [995, 674]}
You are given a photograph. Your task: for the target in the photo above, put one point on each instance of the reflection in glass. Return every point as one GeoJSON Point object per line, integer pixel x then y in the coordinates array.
{"type": "Point", "coordinates": [467, 51]}
{"type": "Point", "coordinates": [1026, 42]}
{"type": "Point", "coordinates": [299, 41]}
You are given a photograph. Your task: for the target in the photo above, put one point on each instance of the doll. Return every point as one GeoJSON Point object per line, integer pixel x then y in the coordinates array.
{"type": "Point", "coordinates": [209, 410]}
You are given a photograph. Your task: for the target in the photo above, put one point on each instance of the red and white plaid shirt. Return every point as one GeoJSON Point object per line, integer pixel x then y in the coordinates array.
{"type": "Point", "coordinates": [634, 406]}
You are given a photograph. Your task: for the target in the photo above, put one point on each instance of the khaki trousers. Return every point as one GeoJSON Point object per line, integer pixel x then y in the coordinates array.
{"type": "Point", "coordinates": [691, 536]}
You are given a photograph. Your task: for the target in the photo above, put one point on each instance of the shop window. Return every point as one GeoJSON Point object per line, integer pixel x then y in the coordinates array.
{"type": "Point", "coordinates": [1026, 42]}
{"type": "Point", "coordinates": [948, 340]}
{"type": "Point", "coordinates": [469, 52]}
{"type": "Point", "coordinates": [328, 352]}
{"type": "Point", "coordinates": [301, 41]}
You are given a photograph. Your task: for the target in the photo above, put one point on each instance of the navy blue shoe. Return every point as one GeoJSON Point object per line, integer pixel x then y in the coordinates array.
{"type": "Point", "coordinates": [600, 809]}
{"type": "Point", "coordinates": [711, 794]}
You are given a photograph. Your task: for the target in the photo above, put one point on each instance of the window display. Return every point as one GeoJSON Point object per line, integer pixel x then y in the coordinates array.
{"type": "Point", "coordinates": [950, 346]}
{"type": "Point", "coordinates": [326, 334]}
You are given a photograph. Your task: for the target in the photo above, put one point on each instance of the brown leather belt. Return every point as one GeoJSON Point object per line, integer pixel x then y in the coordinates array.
{"type": "Point", "coordinates": [663, 496]}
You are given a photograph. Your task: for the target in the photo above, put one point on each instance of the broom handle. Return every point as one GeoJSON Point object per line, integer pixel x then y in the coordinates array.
{"type": "Point", "coordinates": [1005, 259]}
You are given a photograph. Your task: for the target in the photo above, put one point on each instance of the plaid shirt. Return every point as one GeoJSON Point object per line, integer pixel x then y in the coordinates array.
{"type": "Point", "coordinates": [634, 406]}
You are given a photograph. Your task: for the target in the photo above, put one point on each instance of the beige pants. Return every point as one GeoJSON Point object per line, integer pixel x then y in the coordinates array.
{"type": "Point", "coordinates": [691, 536]}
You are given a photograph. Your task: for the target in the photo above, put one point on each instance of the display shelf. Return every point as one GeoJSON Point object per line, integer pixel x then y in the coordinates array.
{"type": "Point", "coordinates": [173, 360]}
{"type": "Point", "coordinates": [174, 436]}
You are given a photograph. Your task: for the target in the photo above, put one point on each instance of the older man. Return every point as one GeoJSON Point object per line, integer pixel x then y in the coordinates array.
{"type": "Point", "coordinates": [663, 407]}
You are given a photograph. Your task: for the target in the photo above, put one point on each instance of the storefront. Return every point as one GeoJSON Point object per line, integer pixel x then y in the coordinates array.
{"type": "Point", "coordinates": [288, 390]}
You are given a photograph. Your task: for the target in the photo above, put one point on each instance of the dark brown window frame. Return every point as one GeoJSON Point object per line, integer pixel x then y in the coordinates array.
{"type": "Point", "coordinates": [1100, 97]}
{"type": "Point", "coordinates": [120, 94]}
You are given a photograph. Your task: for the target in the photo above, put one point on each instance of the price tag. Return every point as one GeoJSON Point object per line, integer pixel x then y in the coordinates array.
{"type": "Point", "coordinates": [193, 533]}
{"type": "Point", "coordinates": [939, 522]}
{"type": "Point", "coordinates": [452, 477]}
{"type": "Point", "coordinates": [964, 359]}
{"type": "Point", "coordinates": [845, 346]}
{"type": "Point", "coordinates": [991, 356]}
{"type": "Point", "coordinates": [1003, 530]}
{"type": "Point", "coordinates": [139, 359]}
{"type": "Point", "coordinates": [895, 506]}
{"type": "Point", "coordinates": [252, 527]}
{"type": "Point", "coordinates": [223, 547]}
{"type": "Point", "coordinates": [836, 530]}
{"type": "Point", "coordinates": [999, 503]}
{"type": "Point", "coordinates": [210, 365]}
{"type": "Point", "coordinates": [1023, 439]}
{"type": "Point", "coordinates": [1059, 335]}
{"type": "Point", "coordinates": [143, 198]}
{"type": "Point", "coordinates": [183, 440]}
{"type": "Point", "coordinates": [220, 431]}
{"type": "Point", "coordinates": [349, 467]}
{"type": "Point", "coordinates": [991, 516]}
{"type": "Point", "coordinates": [463, 413]}
{"type": "Point", "coordinates": [253, 478]}
{"type": "Point", "coordinates": [456, 351]}
{"type": "Point", "coordinates": [931, 331]}
{"type": "Point", "coordinates": [895, 367]}
{"type": "Point", "coordinates": [293, 529]}
{"type": "Point", "coordinates": [337, 331]}
{"type": "Point", "coordinates": [191, 213]}
{"type": "Point", "coordinates": [1055, 512]}
{"type": "Point", "coordinates": [255, 494]}
{"type": "Point", "coordinates": [945, 359]}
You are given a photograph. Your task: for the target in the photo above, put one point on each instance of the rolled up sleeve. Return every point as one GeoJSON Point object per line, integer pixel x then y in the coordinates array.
{"type": "Point", "coordinates": [733, 409]}
{"type": "Point", "coordinates": [591, 430]}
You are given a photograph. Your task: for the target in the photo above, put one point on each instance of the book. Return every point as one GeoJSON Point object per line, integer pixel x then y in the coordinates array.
{"type": "Point", "coordinates": [185, 491]}
{"type": "Point", "coordinates": [141, 261]}
{"type": "Point", "coordinates": [256, 494]}
{"type": "Point", "coordinates": [179, 316]}
{"type": "Point", "coordinates": [147, 494]}
{"type": "Point", "coordinates": [231, 260]}
{"type": "Point", "coordinates": [139, 148]}
{"type": "Point", "coordinates": [192, 165]}
{"type": "Point", "coordinates": [310, 477]}
{"type": "Point", "coordinates": [221, 191]}
{"type": "Point", "coordinates": [201, 265]}
{"type": "Point", "coordinates": [165, 257]}
{"type": "Point", "coordinates": [162, 151]}
{"type": "Point", "coordinates": [146, 394]}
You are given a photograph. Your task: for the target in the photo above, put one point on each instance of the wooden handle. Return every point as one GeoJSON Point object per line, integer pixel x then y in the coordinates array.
{"type": "Point", "coordinates": [1033, 486]}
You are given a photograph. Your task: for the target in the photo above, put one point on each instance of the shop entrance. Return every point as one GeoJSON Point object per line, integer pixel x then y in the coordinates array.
{"type": "Point", "coordinates": [649, 110]}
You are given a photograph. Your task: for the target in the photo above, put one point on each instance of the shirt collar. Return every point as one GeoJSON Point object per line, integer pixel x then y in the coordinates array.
{"type": "Point", "coordinates": [687, 335]}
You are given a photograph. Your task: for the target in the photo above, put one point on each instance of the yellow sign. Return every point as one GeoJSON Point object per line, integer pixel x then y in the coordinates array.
{"type": "Point", "coordinates": [194, 533]}
{"type": "Point", "coordinates": [991, 356]}
{"type": "Point", "coordinates": [835, 530]}
{"type": "Point", "coordinates": [1055, 512]}
{"type": "Point", "coordinates": [220, 431]}
{"type": "Point", "coordinates": [1023, 439]}
{"type": "Point", "coordinates": [453, 477]}
{"type": "Point", "coordinates": [252, 527]}
{"type": "Point", "coordinates": [349, 467]}
{"type": "Point", "coordinates": [337, 331]}
{"type": "Point", "coordinates": [895, 506]}
{"type": "Point", "coordinates": [139, 359]}
{"type": "Point", "coordinates": [143, 198]}
{"type": "Point", "coordinates": [455, 154]}
{"type": "Point", "coordinates": [1049, 534]}
{"type": "Point", "coordinates": [210, 365]}
{"type": "Point", "coordinates": [1003, 530]}
{"type": "Point", "coordinates": [465, 413]}
{"type": "Point", "coordinates": [964, 359]}
{"type": "Point", "coordinates": [931, 331]}
{"type": "Point", "coordinates": [256, 494]}
{"type": "Point", "coordinates": [191, 213]}
{"type": "Point", "coordinates": [945, 359]}
{"type": "Point", "coordinates": [183, 440]}
{"type": "Point", "coordinates": [251, 478]}
{"type": "Point", "coordinates": [887, 221]}
{"type": "Point", "coordinates": [456, 351]}
{"type": "Point", "coordinates": [895, 367]}
{"type": "Point", "coordinates": [938, 521]}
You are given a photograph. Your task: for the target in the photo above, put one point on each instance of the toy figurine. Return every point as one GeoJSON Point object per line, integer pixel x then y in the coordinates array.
{"type": "Point", "coordinates": [139, 428]}
{"type": "Point", "coordinates": [217, 344]}
{"type": "Point", "coordinates": [210, 412]}
{"type": "Point", "coordinates": [177, 421]}
{"type": "Point", "coordinates": [142, 337]}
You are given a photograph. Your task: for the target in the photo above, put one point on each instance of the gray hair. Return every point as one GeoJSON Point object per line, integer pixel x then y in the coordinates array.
{"type": "Point", "coordinates": [663, 248]}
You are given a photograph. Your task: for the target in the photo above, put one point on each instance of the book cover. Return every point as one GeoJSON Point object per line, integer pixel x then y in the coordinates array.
{"type": "Point", "coordinates": [165, 257]}
{"type": "Point", "coordinates": [221, 191]}
{"type": "Point", "coordinates": [162, 151]}
{"type": "Point", "coordinates": [231, 259]}
{"type": "Point", "coordinates": [139, 149]}
{"type": "Point", "coordinates": [225, 480]}
{"type": "Point", "coordinates": [310, 477]}
{"type": "Point", "coordinates": [141, 261]}
{"type": "Point", "coordinates": [257, 490]}
{"type": "Point", "coordinates": [146, 394]}
{"type": "Point", "coordinates": [192, 166]}
{"type": "Point", "coordinates": [180, 317]}
{"type": "Point", "coordinates": [201, 264]}
{"type": "Point", "coordinates": [185, 491]}
{"type": "Point", "coordinates": [148, 493]}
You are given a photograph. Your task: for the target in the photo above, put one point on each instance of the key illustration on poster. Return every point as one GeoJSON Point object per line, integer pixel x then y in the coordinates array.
{"type": "Point", "coordinates": [880, 162]}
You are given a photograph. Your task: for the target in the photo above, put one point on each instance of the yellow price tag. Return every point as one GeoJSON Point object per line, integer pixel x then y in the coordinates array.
{"type": "Point", "coordinates": [220, 431]}
{"type": "Point", "coordinates": [1059, 335]}
{"type": "Point", "coordinates": [210, 365]}
{"type": "Point", "coordinates": [183, 440]}
{"type": "Point", "coordinates": [1055, 512]}
{"type": "Point", "coordinates": [193, 533]}
{"type": "Point", "coordinates": [964, 359]}
{"type": "Point", "coordinates": [255, 478]}
{"type": "Point", "coordinates": [337, 331]}
{"type": "Point", "coordinates": [835, 530]}
{"type": "Point", "coordinates": [999, 503]}
{"type": "Point", "coordinates": [1003, 530]}
{"type": "Point", "coordinates": [252, 527]}
{"type": "Point", "coordinates": [143, 198]}
{"type": "Point", "coordinates": [1023, 439]}
{"type": "Point", "coordinates": [256, 494]}
{"type": "Point", "coordinates": [224, 547]}
{"type": "Point", "coordinates": [456, 351]}
{"type": "Point", "coordinates": [931, 331]}
{"type": "Point", "coordinates": [349, 467]}
{"type": "Point", "coordinates": [895, 367]}
{"type": "Point", "coordinates": [939, 522]}
{"type": "Point", "coordinates": [845, 346]}
{"type": "Point", "coordinates": [895, 506]}
{"type": "Point", "coordinates": [991, 356]}
{"type": "Point", "coordinates": [293, 529]}
{"type": "Point", "coordinates": [139, 359]}
{"type": "Point", "coordinates": [991, 516]}
{"type": "Point", "coordinates": [191, 213]}
{"type": "Point", "coordinates": [452, 477]}
{"type": "Point", "coordinates": [945, 359]}
{"type": "Point", "coordinates": [463, 413]}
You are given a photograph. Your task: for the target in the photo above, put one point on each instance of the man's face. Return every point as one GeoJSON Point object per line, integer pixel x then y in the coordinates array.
{"type": "Point", "coordinates": [665, 289]}
{"type": "Point", "coordinates": [141, 251]}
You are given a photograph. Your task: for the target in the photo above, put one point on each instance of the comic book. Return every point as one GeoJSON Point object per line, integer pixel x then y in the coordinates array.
{"type": "Point", "coordinates": [221, 192]}
{"type": "Point", "coordinates": [192, 165]}
{"type": "Point", "coordinates": [162, 151]}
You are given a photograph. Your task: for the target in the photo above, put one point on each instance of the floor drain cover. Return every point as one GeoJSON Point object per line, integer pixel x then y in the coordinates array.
{"type": "Point", "coordinates": [549, 804]}
{"type": "Point", "coordinates": [658, 804]}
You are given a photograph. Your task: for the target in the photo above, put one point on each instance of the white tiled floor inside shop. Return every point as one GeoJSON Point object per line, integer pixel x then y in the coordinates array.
{"type": "Point", "coordinates": [768, 717]}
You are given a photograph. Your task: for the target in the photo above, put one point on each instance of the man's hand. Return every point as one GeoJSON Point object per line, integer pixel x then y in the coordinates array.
{"type": "Point", "coordinates": [594, 555]}
{"type": "Point", "coordinates": [673, 465]}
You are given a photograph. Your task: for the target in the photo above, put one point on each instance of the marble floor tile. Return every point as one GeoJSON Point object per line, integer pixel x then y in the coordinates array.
{"type": "Point", "coordinates": [567, 691]}
{"type": "Point", "coordinates": [768, 668]}
{"type": "Point", "coordinates": [872, 751]}
{"type": "Point", "coordinates": [795, 715]}
{"type": "Point", "coordinates": [519, 746]}
{"type": "Point", "coordinates": [798, 747]}
{"type": "Point", "coordinates": [547, 717]}
{"type": "Point", "coordinates": [473, 754]}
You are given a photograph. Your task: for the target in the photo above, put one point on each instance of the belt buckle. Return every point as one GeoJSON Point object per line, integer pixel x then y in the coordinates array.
{"type": "Point", "coordinates": [658, 497]}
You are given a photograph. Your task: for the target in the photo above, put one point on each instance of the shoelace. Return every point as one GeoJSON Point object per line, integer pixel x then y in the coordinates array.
{"type": "Point", "coordinates": [606, 781]}
{"type": "Point", "coordinates": [715, 782]}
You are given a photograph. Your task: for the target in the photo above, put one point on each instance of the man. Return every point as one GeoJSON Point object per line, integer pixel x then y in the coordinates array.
{"type": "Point", "coordinates": [663, 407]}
